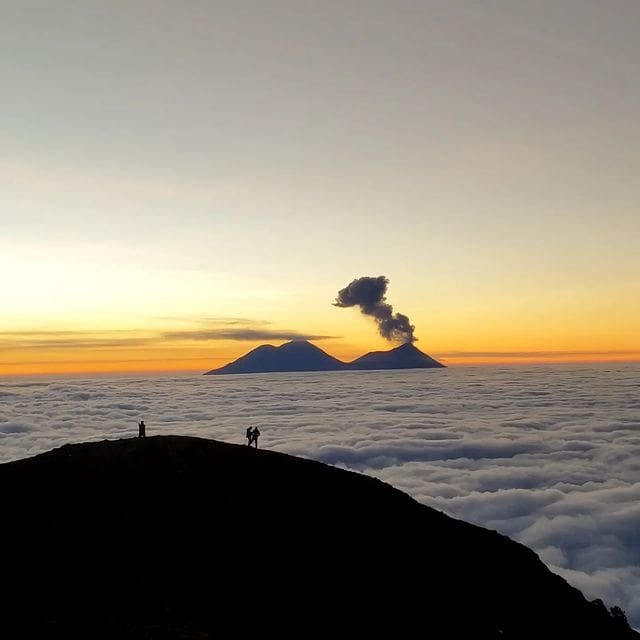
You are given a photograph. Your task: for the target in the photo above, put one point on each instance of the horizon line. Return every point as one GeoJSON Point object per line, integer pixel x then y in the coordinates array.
{"type": "Point", "coordinates": [192, 365]}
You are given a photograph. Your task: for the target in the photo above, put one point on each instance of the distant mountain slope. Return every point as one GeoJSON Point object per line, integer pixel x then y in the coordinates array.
{"type": "Point", "coordinates": [301, 355]}
{"type": "Point", "coordinates": [298, 355]}
{"type": "Point", "coordinates": [184, 538]}
{"type": "Point", "coordinates": [406, 356]}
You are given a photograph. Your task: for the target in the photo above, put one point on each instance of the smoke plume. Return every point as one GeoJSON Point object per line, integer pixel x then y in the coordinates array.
{"type": "Point", "coordinates": [369, 293]}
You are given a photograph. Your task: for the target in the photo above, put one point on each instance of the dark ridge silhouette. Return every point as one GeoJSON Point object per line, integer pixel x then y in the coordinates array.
{"type": "Point", "coordinates": [301, 355]}
{"type": "Point", "coordinates": [175, 537]}
{"type": "Point", "coordinates": [406, 356]}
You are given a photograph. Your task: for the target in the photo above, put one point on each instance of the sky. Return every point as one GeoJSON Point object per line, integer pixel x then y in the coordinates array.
{"type": "Point", "coordinates": [182, 181]}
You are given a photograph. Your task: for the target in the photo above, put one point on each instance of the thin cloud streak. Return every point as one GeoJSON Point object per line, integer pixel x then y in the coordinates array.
{"type": "Point", "coordinates": [97, 343]}
{"type": "Point", "coordinates": [84, 332]}
{"type": "Point", "coordinates": [210, 329]}
{"type": "Point", "coordinates": [45, 341]}
{"type": "Point", "coordinates": [218, 321]}
{"type": "Point", "coordinates": [242, 335]}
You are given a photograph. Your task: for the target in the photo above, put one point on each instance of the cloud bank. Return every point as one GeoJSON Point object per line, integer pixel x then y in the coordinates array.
{"type": "Point", "coordinates": [205, 329]}
{"type": "Point", "coordinates": [546, 455]}
{"type": "Point", "coordinates": [243, 334]}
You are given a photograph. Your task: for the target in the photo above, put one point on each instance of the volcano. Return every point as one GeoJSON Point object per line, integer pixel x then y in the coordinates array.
{"type": "Point", "coordinates": [298, 355]}
{"type": "Point", "coordinates": [406, 356]}
{"type": "Point", "coordinates": [301, 355]}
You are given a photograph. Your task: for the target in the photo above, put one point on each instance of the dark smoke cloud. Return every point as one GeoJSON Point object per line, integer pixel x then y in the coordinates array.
{"type": "Point", "coordinates": [368, 293]}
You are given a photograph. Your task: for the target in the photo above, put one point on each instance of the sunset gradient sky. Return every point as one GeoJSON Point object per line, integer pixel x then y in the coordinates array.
{"type": "Point", "coordinates": [184, 180]}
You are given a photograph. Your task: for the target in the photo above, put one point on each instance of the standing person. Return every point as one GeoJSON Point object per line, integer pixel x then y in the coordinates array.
{"type": "Point", "coordinates": [142, 429]}
{"type": "Point", "coordinates": [255, 435]}
{"type": "Point", "coordinates": [249, 436]}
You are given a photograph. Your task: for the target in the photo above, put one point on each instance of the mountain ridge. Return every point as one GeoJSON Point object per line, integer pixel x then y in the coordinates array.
{"type": "Point", "coordinates": [177, 537]}
{"type": "Point", "coordinates": [302, 355]}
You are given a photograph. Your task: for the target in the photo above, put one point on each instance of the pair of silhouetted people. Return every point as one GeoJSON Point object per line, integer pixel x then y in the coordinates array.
{"type": "Point", "coordinates": [142, 429]}
{"type": "Point", "coordinates": [252, 436]}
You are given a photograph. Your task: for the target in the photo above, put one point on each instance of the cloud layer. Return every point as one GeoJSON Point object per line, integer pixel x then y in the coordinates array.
{"type": "Point", "coordinates": [546, 455]}
{"type": "Point", "coordinates": [202, 329]}
{"type": "Point", "coordinates": [241, 334]}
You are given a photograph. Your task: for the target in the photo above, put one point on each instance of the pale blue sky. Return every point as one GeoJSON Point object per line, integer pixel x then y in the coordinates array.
{"type": "Point", "coordinates": [468, 150]}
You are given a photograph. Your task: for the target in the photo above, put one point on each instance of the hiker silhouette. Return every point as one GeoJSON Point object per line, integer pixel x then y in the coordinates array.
{"type": "Point", "coordinates": [249, 436]}
{"type": "Point", "coordinates": [254, 436]}
{"type": "Point", "coordinates": [142, 429]}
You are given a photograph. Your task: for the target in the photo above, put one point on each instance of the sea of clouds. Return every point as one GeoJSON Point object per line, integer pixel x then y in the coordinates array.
{"type": "Point", "coordinates": [548, 455]}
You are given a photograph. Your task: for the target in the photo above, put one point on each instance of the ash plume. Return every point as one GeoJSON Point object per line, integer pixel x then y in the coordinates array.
{"type": "Point", "coordinates": [369, 294]}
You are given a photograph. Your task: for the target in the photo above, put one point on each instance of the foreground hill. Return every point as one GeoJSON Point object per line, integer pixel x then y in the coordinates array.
{"type": "Point", "coordinates": [177, 537]}
{"type": "Point", "coordinates": [301, 355]}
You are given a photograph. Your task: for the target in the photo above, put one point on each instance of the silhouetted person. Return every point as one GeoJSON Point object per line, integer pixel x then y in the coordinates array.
{"type": "Point", "coordinates": [142, 429]}
{"type": "Point", "coordinates": [249, 436]}
{"type": "Point", "coordinates": [254, 436]}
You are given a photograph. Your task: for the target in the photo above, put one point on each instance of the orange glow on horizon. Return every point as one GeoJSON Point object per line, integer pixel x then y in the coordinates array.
{"type": "Point", "coordinates": [106, 367]}
{"type": "Point", "coordinates": [539, 359]}
{"type": "Point", "coordinates": [202, 364]}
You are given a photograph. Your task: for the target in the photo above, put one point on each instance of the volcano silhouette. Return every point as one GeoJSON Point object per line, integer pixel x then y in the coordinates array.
{"type": "Point", "coordinates": [406, 356]}
{"type": "Point", "coordinates": [298, 355]}
{"type": "Point", "coordinates": [301, 355]}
